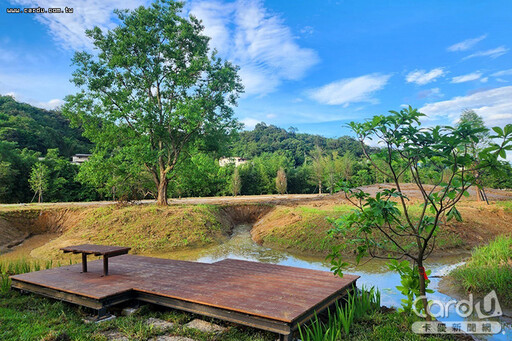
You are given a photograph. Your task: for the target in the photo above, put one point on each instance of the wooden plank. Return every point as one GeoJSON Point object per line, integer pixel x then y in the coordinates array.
{"type": "Point", "coordinates": [56, 294]}
{"type": "Point", "coordinates": [226, 315]}
{"type": "Point", "coordinates": [97, 250]}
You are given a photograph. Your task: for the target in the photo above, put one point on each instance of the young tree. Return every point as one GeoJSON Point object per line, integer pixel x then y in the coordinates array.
{"type": "Point", "coordinates": [236, 182]}
{"type": "Point", "coordinates": [318, 167]}
{"type": "Point", "coordinates": [281, 181]}
{"type": "Point", "coordinates": [347, 165]}
{"type": "Point", "coordinates": [38, 180]}
{"type": "Point", "coordinates": [470, 117]}
{"type": "Point", "coordinates": [384, 223]}
{"type": "Point", "coordinates": [333, 170]}
{"type": "Point", "coordinates": [153, 89]}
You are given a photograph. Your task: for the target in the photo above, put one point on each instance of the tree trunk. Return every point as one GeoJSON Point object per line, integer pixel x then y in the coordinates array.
{"type": "Point", "coordinates": [320, 187]}
{"type": "Point", "coordinates": [162, 192]}
{"type": "Point", "coordinates": [423, 292]}
{"type": "Point", "coordinates": [40, 197]}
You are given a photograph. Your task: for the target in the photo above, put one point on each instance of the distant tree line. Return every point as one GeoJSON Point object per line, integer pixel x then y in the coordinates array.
{"type": "Point", "coordinates": [35, 161]}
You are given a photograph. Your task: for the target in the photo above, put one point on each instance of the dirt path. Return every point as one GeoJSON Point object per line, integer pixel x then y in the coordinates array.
{"type": "Point", "coordinates": [408, 189]}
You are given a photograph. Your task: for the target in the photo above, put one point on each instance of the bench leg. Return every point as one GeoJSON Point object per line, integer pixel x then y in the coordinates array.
{"type": "Point", "coordinates": [84, 262]}
{"type": "Point", "coordinates": [285, 337]}
{"type": "Point", "coordinates": [102, 313]}
{"type": "Point", "coordinates": [105, 265]}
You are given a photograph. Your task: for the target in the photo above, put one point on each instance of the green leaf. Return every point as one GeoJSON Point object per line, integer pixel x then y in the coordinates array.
{"type": "Point", "coordinates": [498, 131]}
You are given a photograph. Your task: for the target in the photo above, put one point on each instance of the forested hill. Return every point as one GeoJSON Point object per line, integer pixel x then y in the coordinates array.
{"type": "Point", "coordinates": [270, 139]}
{"type": "Point", "coordinates": [38, 129]}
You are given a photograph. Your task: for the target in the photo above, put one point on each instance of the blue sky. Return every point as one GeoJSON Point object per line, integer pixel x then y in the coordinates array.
{"type": "Point", "coordinates": [314, 65]}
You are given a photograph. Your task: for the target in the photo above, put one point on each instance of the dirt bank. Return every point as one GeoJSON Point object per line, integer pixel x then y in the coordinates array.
{"type": "Point", "coordinates": [304, 227]}
{"type": "Point", "coordinates": [295, 222]}
{"type": "Point", "coordinates": [145, 228]}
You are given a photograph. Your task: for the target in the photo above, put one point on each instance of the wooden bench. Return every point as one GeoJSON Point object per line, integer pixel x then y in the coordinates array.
{"type": "Point", "coordinates": [98, 250]}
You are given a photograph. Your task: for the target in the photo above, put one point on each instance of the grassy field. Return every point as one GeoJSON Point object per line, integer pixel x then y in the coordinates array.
{"type": "Point", "coordinates": [489, 268]}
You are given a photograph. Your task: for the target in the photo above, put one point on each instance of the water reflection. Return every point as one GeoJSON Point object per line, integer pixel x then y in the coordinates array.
{"type": "Point", "coordinates": [374, 273]}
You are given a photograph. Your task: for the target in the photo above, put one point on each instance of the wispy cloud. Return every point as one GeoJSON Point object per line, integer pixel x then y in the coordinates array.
{"type": "Point", "coordinates": [258, 41]}
{"type": "Point", "coordinates": [434, 93]}
{"type": "Point", "coordinates": [422, 77]}
{"type": "Point", "coordinates": [492, 53]}
{"type": "Point", "coordinates": [466, 44]}
{"type": "Point", "coordinates": [502, 73]}
{"type": "Point", "coordinates": [495, 106]}
{"type": "Point", "coordinates": [350, 90]}
{"type": "Point", "coordinates": [68, 30]}
{"type": "Point", "coordinates": [466, 78]}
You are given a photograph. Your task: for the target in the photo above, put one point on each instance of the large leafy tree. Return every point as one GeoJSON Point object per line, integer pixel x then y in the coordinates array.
{"type": "Point", "coordinates": [153, 89]}
{"type": "Point", "coordinates": [385, 223]}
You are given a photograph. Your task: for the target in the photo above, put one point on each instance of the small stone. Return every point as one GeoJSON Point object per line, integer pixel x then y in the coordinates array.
{"type": "Point", "coordinates": [129, 311]}
{"type": "Point", "coordinates": [205, 327]}
{"type": "Point", "coordinates": [171, 338]}
{"type": "Point", "coordinates": [159, 324]}
{"type": "Point", "coordinates": [114, 335]}
{"type": "Point", "coordinates": [94, 319]}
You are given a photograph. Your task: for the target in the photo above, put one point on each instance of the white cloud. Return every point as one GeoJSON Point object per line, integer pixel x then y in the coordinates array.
{"type": "Point", "coordinates": [466, 78]}
{"type": "Point", "coordinates": [422, 77]}
{"type": "Point", "coordinates": [466, 44]}
{"type": "Point", "coordinates": [68, 29]}
{"type": "Point", "coordinates": [350, 90]}
{"type": "Point", "coordinates": [484, 80]}
{"type": "Point", "coordinates": [502, 73]}
{"type": "Point", "coordinates": [495, 106]}
{"type": "Point", "coordinates": [258, 41]}
{"type": "Point", "coordinates": [249, 123]}
{"type": "Point", "coordinates": [493, 53]}
{"type": "Point", "coordinates": [49, 105]}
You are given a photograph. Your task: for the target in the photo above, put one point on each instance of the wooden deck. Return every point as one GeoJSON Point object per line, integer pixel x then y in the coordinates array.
{"type": "Point", "coordinates": [265, 296]}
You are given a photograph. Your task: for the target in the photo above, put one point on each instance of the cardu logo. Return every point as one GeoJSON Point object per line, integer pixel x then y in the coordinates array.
{"type": "Point", "coordinates": [487, 308]}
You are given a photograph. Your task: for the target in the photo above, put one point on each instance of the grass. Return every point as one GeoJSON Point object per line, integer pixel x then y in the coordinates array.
{"type": "Point", "coordinates": [489, 268]}
{"type": "Point", "coordinates": [362, 318]}
{"type": "Point", "coordinates": [144, 228]}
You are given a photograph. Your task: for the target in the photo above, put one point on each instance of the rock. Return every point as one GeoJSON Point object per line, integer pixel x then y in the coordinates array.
{"type": "Point", "coordinates": [114, 335]}
{"type": "Point", "coordinates": [129, 311]}
{"type": "Point", "coordinates": [171, 338]}
{"type": "Point", "coordinates": [159, 324]}
{"type": "Point", "coordinates": [204, 326]}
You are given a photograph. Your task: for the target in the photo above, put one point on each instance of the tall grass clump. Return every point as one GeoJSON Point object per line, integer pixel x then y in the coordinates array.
{"type": "Point", "coordinates": [5, 283]}
{"type": "Point", "coordinates": [339, 322]}
{"type": "Point", "coordinates": [489, 268]}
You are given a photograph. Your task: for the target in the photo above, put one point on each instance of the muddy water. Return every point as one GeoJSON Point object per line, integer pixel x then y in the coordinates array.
{"type": "Point", "coordinates": [241, 246]}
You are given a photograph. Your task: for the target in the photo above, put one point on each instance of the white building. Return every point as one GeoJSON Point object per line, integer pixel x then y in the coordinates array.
{"type": "Point", "coordinates": [78, 159]}
{"type": "Point", "coordinates": [237, 161]}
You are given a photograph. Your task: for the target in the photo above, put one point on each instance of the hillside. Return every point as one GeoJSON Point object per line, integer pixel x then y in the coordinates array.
{"type": "Point", "coordinates": [38, 129]}
{"type": "Point", "coordinates": [270, 139]}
